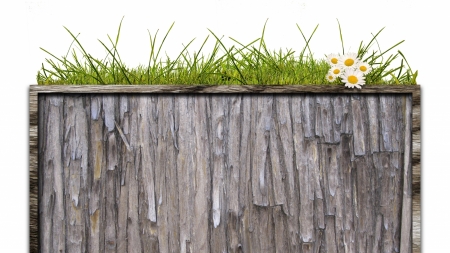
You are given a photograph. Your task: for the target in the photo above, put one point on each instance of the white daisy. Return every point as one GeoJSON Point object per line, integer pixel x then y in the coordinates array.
{"type": "Point", "coordinates": [336, 70]}
{"type": "Point", "coordinates": [353, 78]}
{"type": "Point", "coordinates": [330, 77]}
{"type": "Point", "coordinates": [332, 59]}
{"type": "Point", "coordinates": [349, 60]}
{"type": "Point", "coordinates": [364, 67]}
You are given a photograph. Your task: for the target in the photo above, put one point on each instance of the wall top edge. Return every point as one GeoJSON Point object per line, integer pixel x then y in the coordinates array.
{"type": "Point", "coordinates": [222, 89]}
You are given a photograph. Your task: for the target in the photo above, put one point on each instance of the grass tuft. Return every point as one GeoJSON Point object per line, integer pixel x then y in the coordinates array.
{"type": "Point", "coordinates": [250, 64]}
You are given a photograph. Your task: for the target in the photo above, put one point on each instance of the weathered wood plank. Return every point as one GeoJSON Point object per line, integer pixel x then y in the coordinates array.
{"type": "Point", "coordinates": [308, 116]}
{"type": "Point", "coordinates": [373, 108]}
{"type": "Point", "coordinates": [388, 110]}
{"type": "Point", "coordinates": [109, 175]}
{"type": "Point", "coordinates": [305, 185]}
{"type": "Point", "coordinates": [124, 169]}
{"type": "Point", "coordinates": [346, 119]}
{"type": "Point", "coordinates": [245, 180]}
{"type": "Point", "coordinates": [132, 170]}
{"type": "Point", "coordinates": [52, 207]}
{"type": "Point", "coordinates": [359, 144]}
{"type": "Point", "coordinates": [265, 229]}
{"type": "Point", "coordinates": [406, 220]}
{"type": "Point", "coordinates": [329, 160]}
{"type": "Point", "coordinates": [177, 173]}
{"type": "Point", "coordinates": [277, 171]}
{"type": "Point", "coordinates": [35, 135]}
{"type": "Point", "coordinates": [262, 108]}
{"type": "Point", "coordinates": [416, 245]}
{"type": "Point", "coordinates": [330, 235]}
{"type": "Point", "coordinates": [416, 170]}
{"type": "Point", "coordinates": [162, 133]}
{"type": "Point", "coordinates": [75, 156]}
{"type": "Point", "coordinates": [145, 166]}
{"type": "Point", "coordinates": [184, 167]}
{"type": "Point", "coordinates": [286, 139]}
{"type": "Point", "coordinates": [346, 171]}
{"type": "Point", "coordinates": [171, 174]}
{"type": "Point", "coordinates": [202, 178]}
{"type": "Point", "coordinates": [281, 240]}
{"type": "Point", "coordinates": [219, 125]}
{"type": "Point", "coordinates": [305, 89]}
{"type": "Point", "coordinates": [324, 120]}
{"type": "Point", "coordinates": [364, 204]}
{"type": "Point", "coordinates": [96, 169]}
{"type": "Point", "coordinates": [233, 171]}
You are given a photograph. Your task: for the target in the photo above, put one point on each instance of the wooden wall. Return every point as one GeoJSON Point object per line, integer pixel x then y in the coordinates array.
{"type": "Point", "coordinates": [225, 173]}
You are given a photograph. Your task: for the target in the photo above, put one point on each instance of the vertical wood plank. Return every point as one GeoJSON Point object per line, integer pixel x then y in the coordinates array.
{"type": "Point", "coordinates": [314, 179]}
{"type": "Point", "coordinates": [233, 171]}
{"type": "Point", "coordinates": [219, 124]}
{"type": "Point", "coordinates": [308, 112]}
{"type": "Point", "coordinates": [184, 168]}
{"type": "Point", "coordinates": [346, 116]}
{"type": "Point", "coordinates": [96, 162]}
{"type": "Point", "coordinates": [162, 134]}
{"type": "Point", "coordinates": [202, 177]}
{"type": "Point", "coordinates": [263, 109]}
{"type": "Point", "coordinates": [109, 175]}
{"type": "Point", "coordinates": [388, 111]}
{"type": "Point", "coordinates": [373, 115]}
{"type": "Point", "coordinates": [325, 119]}
{"type": "Point", "coordinates": [406, 226]}
{"type": "Point", "coordinates": [346, 168]}
{"type": "Point", "coordinates": [75, 157]}
{"type": "Point", "coordinates": [171, 175]}
{"type": "Point", "coordinates": [52, 203]}
{"type": "Point", "coordinates": [35, 135]}
{"type": "Point", "coordinates": [305, 185]}
{"type": "Point", "coordinates": [245, 182]}
{"type": "Point", "coordinates": [132, 160]}
{"type": "Point", "coordinates": [277, 171]}
{"type": "Point", "coordinates": [125, 162]}
{"type": "Point", "coordinates": [282, 243]}
{"type": "Point", "coordinates": [358, 126]}
{"type": "Point", "coordinates": [330, 234]}
{"type": "Point", "coordinates": [284, 116]}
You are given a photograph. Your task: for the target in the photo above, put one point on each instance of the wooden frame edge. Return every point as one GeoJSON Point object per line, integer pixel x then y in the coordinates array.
{"type": "Point", "coordinates": [33, 170]}
{"type": "Point", "coordinates": [35, 90]}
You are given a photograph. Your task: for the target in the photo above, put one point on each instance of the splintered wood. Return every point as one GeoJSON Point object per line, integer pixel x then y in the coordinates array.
{"type": "Point", "coordinates": [226, 173]}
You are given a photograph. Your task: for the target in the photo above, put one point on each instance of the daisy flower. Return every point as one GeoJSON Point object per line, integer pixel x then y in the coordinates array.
{"type": "Point", "coordinates": [336, 70]}
{"type": "Point", "coordinates": [332, 59]}
{"type": "Point", "coordinates": [364, 67]}
{"type": "Point", "coordinates": [348, 60]}
{"type": "Point", "coordinates": [353, 78]}
{"type": "Point", "coordinates": [331, 77]}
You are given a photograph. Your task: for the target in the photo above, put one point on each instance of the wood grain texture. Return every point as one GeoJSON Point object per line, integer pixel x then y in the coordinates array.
{"type": "Point", "coordinates": [404, 89]}
{"type": "Point", "coordinates": [33, 170]}
{"type": "Point", "coordinates": [224, 173]}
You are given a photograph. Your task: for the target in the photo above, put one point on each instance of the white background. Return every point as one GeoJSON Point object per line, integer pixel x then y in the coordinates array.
{"type": "Point", "coordinates": [27, 25]}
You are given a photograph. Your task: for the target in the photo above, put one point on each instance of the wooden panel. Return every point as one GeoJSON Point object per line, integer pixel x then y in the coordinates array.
{"type": "Point", "coordinates": [224, 173]}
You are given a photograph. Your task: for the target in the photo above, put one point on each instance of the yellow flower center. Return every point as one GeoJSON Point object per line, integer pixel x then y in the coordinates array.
{"type": "Point", "coordinates": [352, 79]}
{"type": "Point", "coordinates": [336, 71]}
{"type": "Point", "coordinates": [330, 77]}
{"type": "Point", "coordinates": [334, 60]}
{"type": "Point", "coordinates": [349, 62]}
{"type": "Point", "coordinates": [363, 68]}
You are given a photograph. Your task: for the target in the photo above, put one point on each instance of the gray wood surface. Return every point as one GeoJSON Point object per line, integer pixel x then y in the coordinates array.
{"type": "Point", "coordinates": [306, 172]}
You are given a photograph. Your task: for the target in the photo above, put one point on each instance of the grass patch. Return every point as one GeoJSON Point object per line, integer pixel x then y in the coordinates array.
{"type": "Point", "coordinates": [240, 64]}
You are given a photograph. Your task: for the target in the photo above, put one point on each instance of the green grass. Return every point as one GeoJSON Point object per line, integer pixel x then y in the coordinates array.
{"type": "Point", "coordinates": [240, 64]}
